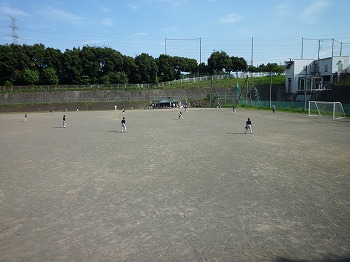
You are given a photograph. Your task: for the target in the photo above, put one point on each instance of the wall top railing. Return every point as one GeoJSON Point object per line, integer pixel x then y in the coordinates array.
{"type": "Point", "coordinates": [184, 79]}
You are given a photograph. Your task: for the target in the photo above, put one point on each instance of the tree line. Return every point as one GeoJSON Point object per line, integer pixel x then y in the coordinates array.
{"type": "Point", "coordinates": [36, 64]}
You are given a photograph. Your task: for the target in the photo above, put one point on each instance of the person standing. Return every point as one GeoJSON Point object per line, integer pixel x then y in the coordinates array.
{"type": "Point", "coordinates": [64, 121]}
{"type": "Point", "coordinates": [123, 110]}
{"type": "Point", "coordinates": [248, 126]}
{"type": "Point", "coordinates": [115, 107]}
{"type": "Point", "coordinates": [25, 118]}
{"type": "Point", "coordinates": [234, 110]}
{"type": "Point", "coordinates": [123, 126]}
{"type": "Point", "coordinates": [181, 116]}
{"type": "Point", "coordinates": [273, 109]}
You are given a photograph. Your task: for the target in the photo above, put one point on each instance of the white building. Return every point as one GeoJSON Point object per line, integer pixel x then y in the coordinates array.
{"type": "Point", "coordinates": [314, 75]}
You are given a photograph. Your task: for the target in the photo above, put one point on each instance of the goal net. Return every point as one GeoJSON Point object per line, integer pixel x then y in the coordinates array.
{"type": "Point", "coordinates": [322, 108]}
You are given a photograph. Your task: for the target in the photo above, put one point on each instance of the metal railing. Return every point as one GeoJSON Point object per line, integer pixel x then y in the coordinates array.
{"type": "Point", "coordinates": [129, 86]}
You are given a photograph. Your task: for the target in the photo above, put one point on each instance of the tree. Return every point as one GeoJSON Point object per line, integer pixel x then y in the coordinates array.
{"type": "Point", "coordinates": [53, 58]}
{"type": "Point", "coordinates": [13, 61]}
{"type": "Point", "coordinates": [115, 78]}
{"type": "Point", "coordinates": [219, 62]}
{"type": "Point", "coordinates": [50, 76]}
{"type": "Point", "coordinates": [90, 65]}
{"type": "Point", "coordinates": [238, 64]}
{"type": "Point", "coordinates": [71, 69]}
{"type": "Point", "coordinates": [165, 68]}
{"type": "Point", "coordinates": [131, 69]}
{"type": "Point", "coordinates": [147, 68]}
{"type": "Point", "coordinates": [202, 69]}
{"type": "Point", "coordinates": [31, 76]}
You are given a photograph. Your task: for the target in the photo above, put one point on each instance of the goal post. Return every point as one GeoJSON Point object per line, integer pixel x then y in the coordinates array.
{"type": "Point", "coordinates": [323, 108]}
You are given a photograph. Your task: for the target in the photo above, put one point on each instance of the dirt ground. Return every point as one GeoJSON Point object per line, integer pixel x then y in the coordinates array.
{"type": "Point", "coordinates": [191, 189]}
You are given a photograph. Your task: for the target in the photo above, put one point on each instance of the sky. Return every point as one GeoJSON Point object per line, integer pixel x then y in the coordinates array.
{"type": "Point", "coordinates": [269, 31]}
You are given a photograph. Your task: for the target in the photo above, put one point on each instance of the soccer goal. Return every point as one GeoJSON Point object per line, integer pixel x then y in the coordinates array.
{"type": "Point", "coordinates": [322, 108]}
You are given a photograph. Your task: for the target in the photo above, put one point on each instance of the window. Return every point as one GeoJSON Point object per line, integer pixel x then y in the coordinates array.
{"type": "Point", "coordinates": [289, 87]}
{"type": "Point", "coordinates": [301, 84]}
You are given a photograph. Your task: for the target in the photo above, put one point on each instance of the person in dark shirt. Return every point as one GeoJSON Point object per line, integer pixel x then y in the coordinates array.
{"type": "Point", "coordinates": [64, 121]}
{"type": "Point", "coordinates": [123, 126]}
{"type": "Point", "coordinates": [248, 126]}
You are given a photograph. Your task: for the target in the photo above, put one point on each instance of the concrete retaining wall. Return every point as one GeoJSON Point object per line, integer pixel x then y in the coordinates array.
{"type": "Point", "coordinates": [107, 95]}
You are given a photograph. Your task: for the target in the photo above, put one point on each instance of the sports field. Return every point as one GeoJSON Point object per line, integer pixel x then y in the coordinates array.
{"type": "Point", "coordinates": [192, 189]}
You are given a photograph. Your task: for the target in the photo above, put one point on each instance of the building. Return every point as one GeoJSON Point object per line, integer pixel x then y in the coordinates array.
{"type": "Point", "coordinates": [314, 75]}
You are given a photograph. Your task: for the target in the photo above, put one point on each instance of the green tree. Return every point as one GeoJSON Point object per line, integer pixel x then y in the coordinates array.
{"type": "Point", "coordinates": [202, 69]}
{"type": "Point", "coordinates": [165, 68]}
{"type": "Point", "coordinates": [36, 54]}
{"type": "Point", "coordinates": [31, 76]}
{"type": "Point", "coordinates": [147, 68]}
{"type": "Point", "coordinates": [90, 65]}
{"type": "Point", "coordinates": [50, 76]}
{"type": "Point", "coordinates": [271, 67]}
{"type": "Point", "coordinates": [131, 70]}
{"type": "Point", "coordinates": [238, 64]}
{"type": "Point", "coordinates": [13, 61]}
{"type": "Point", "coordinates": [219, 62]}
{"type": "Point", "coordinates": [71, 68]}
{"type": "Point", "coordinates": [53, 58]}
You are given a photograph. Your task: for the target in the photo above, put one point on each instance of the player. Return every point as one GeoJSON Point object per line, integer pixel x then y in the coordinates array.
{"type": "Point", "coordinates": [115, 107]}
{"type": "Point", "coordinates": [273, 109]}
{"type": "Point", "coordinates": [64, 121]}
{"type": "Point", "coordinates": [50, 113]}
{"type": "Point", "coordinates": [123, 110]}
{"type": "Point", "coordinates": [248, 126]}
{"type": "Point", "coordinates": [25, 118]}
{"type": "Point", "coordinates": [181, 116]}
{"type": "Point", "coordinates": [123, 126]}
{"type": "Point", "coordinates": [234, 110]}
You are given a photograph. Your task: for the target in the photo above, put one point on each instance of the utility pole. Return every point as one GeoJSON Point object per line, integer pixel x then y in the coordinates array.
{"type": "Point", "coordinates": [305, 87]}
{"type": "Point", "coordinates": [14, 28]}
{"type": "Point", "coordinates": [270, 89]}
{"type": "Point", "coordinates": [251, 62]}
{"type": "Point", "coordinates": [200, 50]}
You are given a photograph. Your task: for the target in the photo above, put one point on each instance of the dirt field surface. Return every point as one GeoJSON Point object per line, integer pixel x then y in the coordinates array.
{"type": "Point", "coordinates": [191, 189]}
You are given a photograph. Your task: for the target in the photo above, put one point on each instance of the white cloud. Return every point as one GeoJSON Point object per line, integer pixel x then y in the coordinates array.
{"type": "Point", "coordinates": [61, 15]}
{"type": "Point", "coordinates": [108, 22]}
{"type": "Point", "coordinates": [230, 19]}
{"type": "Point", "coordinates": [173, 3]}
{"type": "Point", "coordinates": [133, 7]}
{"type": "Point", "coordinates": [171, 29]}
{"type": "Point", "coordinates": [92, 42]}
{"type": "Point", "coordinates": [141, 34]}
{"type": "Point", "coordinates": [283, 9]}
{"type": "Point", "coordinates": [104, 9]}
{"type": "Point", "coordinates": [7, 10]}
{"type": "Point", "coordinates": [311, 13]}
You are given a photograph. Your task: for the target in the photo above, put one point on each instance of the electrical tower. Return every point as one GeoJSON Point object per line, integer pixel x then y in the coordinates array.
{"type": "Point", "coordinates": [14, 29]}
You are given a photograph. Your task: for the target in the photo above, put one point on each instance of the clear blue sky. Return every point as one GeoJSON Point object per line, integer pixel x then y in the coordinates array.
{"type": "Point", "coordinates": [141, 26]}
